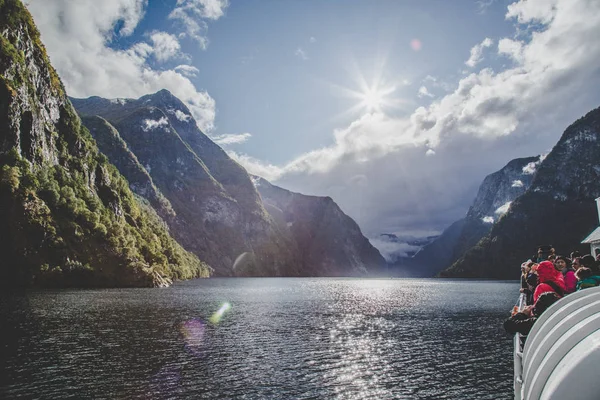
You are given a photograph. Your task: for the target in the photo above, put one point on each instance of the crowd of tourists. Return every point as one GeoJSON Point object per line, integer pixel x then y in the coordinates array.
{"type": "Point", "coordinates": [549, 278]}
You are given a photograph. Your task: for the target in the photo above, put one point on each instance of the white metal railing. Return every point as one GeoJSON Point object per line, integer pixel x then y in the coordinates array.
{"type": "Point", "coordinates": [518, 352]}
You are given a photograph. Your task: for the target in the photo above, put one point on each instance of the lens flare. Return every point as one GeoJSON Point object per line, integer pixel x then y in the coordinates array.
{"type": "Point", "coordinates": [216, 317]}
{"type": "Point", "coordinates": [193, 334]}
{"type": "Point", "coordinates": [416, 44]}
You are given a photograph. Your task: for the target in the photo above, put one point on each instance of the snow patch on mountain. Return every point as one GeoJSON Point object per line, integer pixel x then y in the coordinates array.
{"type": "Point", "coordinates": [150, 124]}
{"type": "Point", "coordinates": [180, 115]}
{"type": "Point", "coordinates": [503, 209]}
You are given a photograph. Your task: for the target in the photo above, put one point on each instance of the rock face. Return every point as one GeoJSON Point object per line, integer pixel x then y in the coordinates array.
{"type": "Point", "coordinates": [218, 213]}
{"type": "Point", "coordinates": [328, 242]}
{"type": "Point", "coordinates": [495, 195]}
{"type": "Point", "coordinates": [558, 208]}
{"type": "Point", "coordinates": [110, 144]}
{"type": "Point", "coordinates": [67, 216]}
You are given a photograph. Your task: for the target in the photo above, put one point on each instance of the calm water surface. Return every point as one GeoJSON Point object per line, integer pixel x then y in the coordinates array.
{"type": "Point", "coordinates": [280, 339]}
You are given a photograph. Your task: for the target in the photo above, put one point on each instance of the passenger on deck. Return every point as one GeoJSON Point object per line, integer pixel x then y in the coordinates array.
{"type": "Point", "coordinates": [576, 263]}
{"type": "Point", "coordinates": [588, 261]}
{"type": "Point", "coordinates": [563, 264]}
{"type": "Point", "coordinates": [586, 278]}
{"type": "Point", "coordinates": [544, 252]}
{"type": "Point", "coordinates": [550, 280]}
{"type": "Point", "coordinates": [532, 282]}
{"type": "Point", "coordinates": [523, 321]}
{"type": "Point", "coordinates": [525, 269]}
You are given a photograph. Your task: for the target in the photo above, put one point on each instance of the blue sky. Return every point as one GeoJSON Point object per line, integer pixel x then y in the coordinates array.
{"type": "Point", "coordinates": [274, 67]}
{"type": "Point", "coordinates": [395, 109]}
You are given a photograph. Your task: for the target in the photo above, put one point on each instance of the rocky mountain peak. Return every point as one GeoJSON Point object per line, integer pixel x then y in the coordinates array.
{"type": "Point", "coordinates": [500, 188]}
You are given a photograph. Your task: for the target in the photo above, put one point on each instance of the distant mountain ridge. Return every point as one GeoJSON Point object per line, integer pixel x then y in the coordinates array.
{"type": "Point", "coordinates": [558, 208]}
{"type": "Point", "coordinates": [329, 242]}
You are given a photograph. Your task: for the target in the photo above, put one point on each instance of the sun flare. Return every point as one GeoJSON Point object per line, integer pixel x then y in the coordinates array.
{"type": "Point", "coordinates": [375, 98]}
{"type": "Point", "coordinates": [372, 99]}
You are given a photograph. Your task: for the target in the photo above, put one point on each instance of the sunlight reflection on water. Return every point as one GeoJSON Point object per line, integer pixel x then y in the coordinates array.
{"type": "Point", "coordinates": [282, 338]}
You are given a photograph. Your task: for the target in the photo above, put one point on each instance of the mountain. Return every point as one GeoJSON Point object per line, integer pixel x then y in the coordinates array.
{"type": "Point", "coordinates": [558, 208]}
{"type": "Point", "coordinates": [218, 214]}
{"type": "Point", "coordinates": [329, 242]}
{"type": "Point", "coordinates": [494, 197]}
{"type": "Point", "coordinates": [110, 144]}
{"type": "Point", "coordinates": [67, 216]}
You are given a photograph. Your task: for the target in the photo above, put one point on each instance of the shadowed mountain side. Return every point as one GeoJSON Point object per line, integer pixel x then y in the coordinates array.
{"type": "Point", "coordinates": [236, 238]}
{"type": "Point", "coordinates": [494, 198]}
{"type": "Point", "coordinates": [558, 208]}
{"type": "Point", "coordinates": [329, 242]}
{"type": "Point", "coordinates": [437, 254]}
{"type": "Point", "coordinates": [67, 216]}
{"type": "Point", "coordinates": [114, 147]}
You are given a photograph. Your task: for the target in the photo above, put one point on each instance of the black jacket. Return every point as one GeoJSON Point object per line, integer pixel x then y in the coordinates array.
{"type": "Point", "coordinates": [519, 322]}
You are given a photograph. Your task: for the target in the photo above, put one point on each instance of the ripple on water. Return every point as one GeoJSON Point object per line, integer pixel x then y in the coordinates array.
{"type": "Point", "coordinates": [279, 338]}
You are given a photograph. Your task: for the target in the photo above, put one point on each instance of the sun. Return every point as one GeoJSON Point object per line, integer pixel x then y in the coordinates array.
{"type": "Point", "coordinates": [372, 99]}
{"type": "Point", "coordinates": [372, 96]}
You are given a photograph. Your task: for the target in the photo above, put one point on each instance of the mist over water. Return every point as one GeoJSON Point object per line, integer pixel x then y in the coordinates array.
{"type": "Point", "coordinates": [261, 338]}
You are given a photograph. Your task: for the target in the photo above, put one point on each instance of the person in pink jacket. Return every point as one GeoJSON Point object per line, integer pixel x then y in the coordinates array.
{"type": "Point", "coordinates": [563, 264]}
{"type": "Point", "coordinates": [550, 280]}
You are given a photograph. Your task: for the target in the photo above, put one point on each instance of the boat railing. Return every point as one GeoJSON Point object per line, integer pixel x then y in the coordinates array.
{"type": "Point", "coordinates": [519, 341]}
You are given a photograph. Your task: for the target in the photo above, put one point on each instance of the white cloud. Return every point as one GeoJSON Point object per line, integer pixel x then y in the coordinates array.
{"type": "Point", "coordinates": [392, 251]}
{"type": "Point", "coordinates": [490, 118]}
{"type": "Point", "coordinates": [165, 46]}
{"type": "Point", "coordinates": [423, 92]}
{"type": "Point", "coordinates": [312, 39]}
{"type": "Point", "coordinates": [301, 53]}
{"type": "Point", "coordinates": [483, 5]}
{"type": "Point", "coordinates": [488, 220]}
{"type": "Point", "coordinates": [503, 209]}
{"type": "Point", "coordinates": [477, 52]}
{"type": "Point", "coordinates": [511, 48]}
{"type": "Point", "coordinates": [257, 167]}
{"type": "Point", "coordinates": [430, 152]}
{"type": "Point", "coordinates": [150, 124]}
{"type": "Point", "coordinates": [190, 13]}
{"type": "Point", "coordinates": [235, 138]}
{"type": "Point", "coordinates": [517, 183]}
{"type": "Point", "coordinates": [78, 38]}
{"type": "Point", "coordinates": [188, 70]}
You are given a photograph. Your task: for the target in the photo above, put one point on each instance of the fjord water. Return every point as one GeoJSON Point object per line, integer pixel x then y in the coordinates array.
{"type": "Point", "coordinates": [280, 338]}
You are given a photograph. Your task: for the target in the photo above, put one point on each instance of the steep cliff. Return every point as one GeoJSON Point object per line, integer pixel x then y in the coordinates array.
{"type": "Point", "coordinates": [494, 197]}
{"type": "Point", "coordinates": [329, 243]}
{"type": "Point", "coordinates": [67, 216]}
{"type": "Point", "coordinates": [114, 147]}
{"type": "Point", "coordinates": [558, 208]}
{"type": "Point", "coordinates": [219, 214]}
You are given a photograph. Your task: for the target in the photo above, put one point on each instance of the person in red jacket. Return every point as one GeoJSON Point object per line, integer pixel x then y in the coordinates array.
{"type": "Point", "coordinates": [550, 280]}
